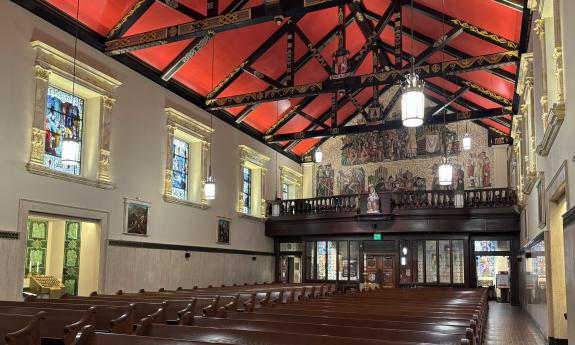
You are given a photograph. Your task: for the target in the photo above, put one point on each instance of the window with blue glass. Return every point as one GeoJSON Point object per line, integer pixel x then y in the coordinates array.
{"type": "Point", "coordinates": [180, 165]}
{"type": "Point", "coordinates": [63, 127]}
{"type": "Point", "coordinates": [247, 190]}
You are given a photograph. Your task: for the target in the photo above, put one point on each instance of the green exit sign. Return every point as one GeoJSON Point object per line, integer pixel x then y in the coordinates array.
{"type": "Point", "coordinates": [377, 236]}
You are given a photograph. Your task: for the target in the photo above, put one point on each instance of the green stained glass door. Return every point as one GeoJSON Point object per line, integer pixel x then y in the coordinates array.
{"type": "Point", "coordinates": [72, 257]}
{"type": "Point", "coordinates": [37, 245]}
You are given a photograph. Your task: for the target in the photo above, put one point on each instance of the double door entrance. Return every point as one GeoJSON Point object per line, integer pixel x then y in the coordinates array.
{"type": "Point", "coordinates": [380, 271]}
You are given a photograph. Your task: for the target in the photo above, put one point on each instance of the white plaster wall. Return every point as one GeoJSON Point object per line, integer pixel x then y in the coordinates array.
{"type": "Point", "coordinates": [564, 146]}
{"type": "Point", "coordinates": [138, 156]}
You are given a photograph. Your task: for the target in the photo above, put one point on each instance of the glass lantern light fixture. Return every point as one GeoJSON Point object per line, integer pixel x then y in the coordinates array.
{"type": "Point", "coordinates": [317, 155]}
{"type": "Point", "coordinates": [445, 172]}
{"type": "Point", "coordinates": [210, 186]}
{"type": "Point", "coordinates": [412, 100]}
{"type": "Point", "coordinates": [466, 142]}
{"type": "Point", "coordinates": [70, 152]}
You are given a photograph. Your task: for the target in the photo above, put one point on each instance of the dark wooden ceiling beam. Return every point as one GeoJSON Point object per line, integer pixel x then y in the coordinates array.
{"type": "Point", "coordinates": [437, 46]}
{"type": "Point", "coordinates": [290, 55]}
{"type": "Point", "coordinates": [367, 30]}
{"type": "Point", "coordinates": [397, 34]}
{"type": "Point", "coordinates": [198, 43]}
{"type": "Point", "coordinates": [449, 100]}
{"type": "Point", "coordinates": [188, 11]}
{"type": "Point", "coordinates": [186, 55]}
{"type": "Point", "coordinates": [473, 30]}
{"type": "Point", "coordinates": [135, 13]}
{"type": "Point", "coordinates": [311, 118]}
{"type": "Point", "coordinates": [373, 79]}
{"type": "Point", "coordinates": [233, 20]}
{"type": "Point", "coordinates": [314, 51]}
{"type": "Point", "coordinates": [262, 76]}
{"type": "Point", "coordinates": [420, 37]}
{"type": "Point", "coordinates": [327, 39]}
{"type": "Point", "coordinates": [261, 50]}
{"type": "Point", "coordinates": [394, 124]}
{"type": "Point", "coordinates": [474, 88]}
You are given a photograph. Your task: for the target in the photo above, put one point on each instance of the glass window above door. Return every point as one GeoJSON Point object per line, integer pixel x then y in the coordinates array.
{"type": "Point", "coordinates": [492, 246]}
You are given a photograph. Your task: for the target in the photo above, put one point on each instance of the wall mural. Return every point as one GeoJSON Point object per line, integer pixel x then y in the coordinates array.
{"type": "Point", "coordinates": [403, 159]}
{"type": "Point", "coordinates": [398, 144]}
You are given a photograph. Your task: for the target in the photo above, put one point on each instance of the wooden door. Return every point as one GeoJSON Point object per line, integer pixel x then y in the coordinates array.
{"type": "Point", "coordinates": [380, 271]}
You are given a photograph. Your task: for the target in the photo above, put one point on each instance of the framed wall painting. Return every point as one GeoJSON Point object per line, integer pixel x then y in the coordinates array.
{"type": "Point", "coordinates": [223, 230]}
{"type": "Point", "coordinates": [541, 201]}
{"type": "Point", "coordinates": [136, 217]}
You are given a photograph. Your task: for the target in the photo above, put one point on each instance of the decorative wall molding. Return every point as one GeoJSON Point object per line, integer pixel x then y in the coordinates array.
{"type": "Point", "coordinates": [554, 122]}
{"type": "Point", "coordinates": [199, 132]}
{"type": "Point", "coordinates": [9, 235]}
{"type": "Point", "coordinates": [52, 64]}
{"type": "Point", "coordinates": [252, 159]}
{"type": "Point", "coordinates": [293, 178]}
{"type": "Point", "coordinates": [165, 246]}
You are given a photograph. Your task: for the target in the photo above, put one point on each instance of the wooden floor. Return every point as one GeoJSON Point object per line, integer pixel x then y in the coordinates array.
{"type": "Point", "coordinates": [511, 326]}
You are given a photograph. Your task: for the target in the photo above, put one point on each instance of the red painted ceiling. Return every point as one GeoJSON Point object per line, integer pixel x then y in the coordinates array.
{"type": "Point", "coordinates": [229, 49]}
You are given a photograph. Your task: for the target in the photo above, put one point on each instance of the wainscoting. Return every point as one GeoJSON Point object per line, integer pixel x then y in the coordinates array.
{"type": "Point", "coordinates": [132, 268]}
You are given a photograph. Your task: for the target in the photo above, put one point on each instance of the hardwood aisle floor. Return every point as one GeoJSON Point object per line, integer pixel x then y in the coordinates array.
{"type": "Point", "coordinates": [511, 326]}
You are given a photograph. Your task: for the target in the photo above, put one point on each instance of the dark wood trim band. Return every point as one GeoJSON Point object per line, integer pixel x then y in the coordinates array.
{"type": "Point", "coordinates": [164, 246]}
{"type": "Point", "coordinates": [569, 217]}
{"type": "Point", "coordinates": [9, 235]}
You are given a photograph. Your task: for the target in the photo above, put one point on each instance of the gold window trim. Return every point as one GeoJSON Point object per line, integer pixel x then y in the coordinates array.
{"type": "Point", "coordinates": [256, 161]}
{"type": "Point", "coordinates": [293, 178]}
{"type": "Point", "coordinates": [51, 64]}
{"type": "Point", "coordinates": [177, 120]}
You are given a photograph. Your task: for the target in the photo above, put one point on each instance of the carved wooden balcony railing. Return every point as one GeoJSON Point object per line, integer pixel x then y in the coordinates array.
{"type": "Point", "coordinates": [321, 205]}
{"type": "Point", "coordinates": [493, 197]}
{"type": "Point", "coordinates": [406, 200]}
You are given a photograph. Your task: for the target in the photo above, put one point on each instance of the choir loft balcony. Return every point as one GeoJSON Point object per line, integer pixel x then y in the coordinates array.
{"type": "Point", "coordinates": [480, 210]}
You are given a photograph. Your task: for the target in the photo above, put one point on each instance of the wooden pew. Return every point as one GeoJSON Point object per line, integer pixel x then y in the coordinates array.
{"type": "Point", "coordinates": [243, 337]}
{"type": "Point", "coordinates": [59, 326]}
{"type": "Point", "coordinates": [21, 329]}
{"type": "Point", "coordinates": [117, 319]}
{"type": "Point", "coordinates": [412, 332]}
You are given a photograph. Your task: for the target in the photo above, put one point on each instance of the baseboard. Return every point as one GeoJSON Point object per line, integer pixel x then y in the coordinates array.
{"type": "Point", "coordinates": [555, 341]}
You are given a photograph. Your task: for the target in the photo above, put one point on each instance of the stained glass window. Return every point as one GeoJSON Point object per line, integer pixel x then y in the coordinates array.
{"type": "Point", "coordinates": [63, 120]}
{"type": "Point", "coordinates": [180, 164]}
{"type": "Point", "coordinates": [321, 259]}
{"type": "Point", "coordinates": [331, 260]}
{"type": "Point", "coordinates": [285, 191]}
{"type": "Point", "coordinates": [431, 261]}
{"type": "Point", "coordinates": [343, 260]}
{"type": "Point", "coordinates": [310, 260]}
{"type": "Point", "coordinates": [444, 261]}
{"type": "Point", "coordinates": [247, 190]}
{"type": "Point", "coordinates": [491, 246]}
{"type": "Point", "coordinates": [458, 264]}
{"type": "Point", "coordinates": [353, 260]}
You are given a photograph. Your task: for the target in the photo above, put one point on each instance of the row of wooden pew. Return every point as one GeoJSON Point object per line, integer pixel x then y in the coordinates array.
{"type": "Point", "coordinates": [271, 314]}
{"type": "Point", "coordinates": [59, 321]}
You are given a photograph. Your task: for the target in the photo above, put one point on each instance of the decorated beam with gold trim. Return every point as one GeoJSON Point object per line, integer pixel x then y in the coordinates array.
{"type": "Point", "coordinates": [233, 20]}
{"type": "Point", "coordinates": [354, 82]}
{"type": "Point", "coordinates": [395, 124]}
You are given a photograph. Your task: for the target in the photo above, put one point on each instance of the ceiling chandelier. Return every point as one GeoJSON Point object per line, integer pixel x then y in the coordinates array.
{"type": "Point", "coordinates": [412, 97]}
{"type": "Point", "coordinates": [317, 155]}
{"type": "Point", "coordinates": [210, 181]}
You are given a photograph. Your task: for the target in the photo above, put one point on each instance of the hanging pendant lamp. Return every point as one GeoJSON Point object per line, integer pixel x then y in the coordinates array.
{"type": "Point", "coordinates": [317, 155]}
{"type": "Point", "coordinates": [70, 143]}
{"type": "Point", "coordinates": [445, 168]}
{"type": "Point", "coordinates": [466, 142]}
{"type": "Point", "coordinates": [210, 181]}
{"type": "Point", "coordinates": [412, 97]}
